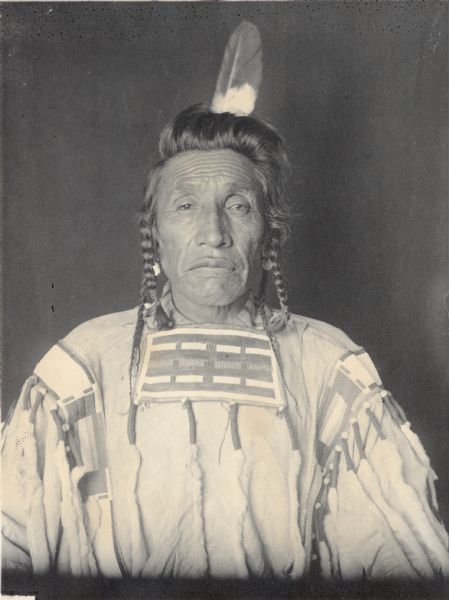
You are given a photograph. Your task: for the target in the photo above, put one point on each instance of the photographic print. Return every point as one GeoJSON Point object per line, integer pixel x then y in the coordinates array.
{"type": "Point", "coordinates": [225, 321]}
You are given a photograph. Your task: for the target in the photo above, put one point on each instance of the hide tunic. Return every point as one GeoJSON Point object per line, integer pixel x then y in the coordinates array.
{"type": "Point", "coordinates": [216, 486]}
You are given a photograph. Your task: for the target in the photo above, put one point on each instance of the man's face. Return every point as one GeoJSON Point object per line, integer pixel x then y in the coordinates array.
{"type": "Point", "coordinates": [209, 225]}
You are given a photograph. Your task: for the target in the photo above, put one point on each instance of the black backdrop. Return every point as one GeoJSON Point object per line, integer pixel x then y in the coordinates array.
{"type": "Point", "coordinates": [359, 90]}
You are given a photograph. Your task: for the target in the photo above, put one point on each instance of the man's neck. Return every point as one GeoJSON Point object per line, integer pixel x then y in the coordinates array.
{"type": "Point", "coordinates": [199, 313]}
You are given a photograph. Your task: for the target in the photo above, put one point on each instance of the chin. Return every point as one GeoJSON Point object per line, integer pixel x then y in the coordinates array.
{"type": "Point", "coordinates": [216, 299]}
{"type": "Point", "coordinates": [216, 291]}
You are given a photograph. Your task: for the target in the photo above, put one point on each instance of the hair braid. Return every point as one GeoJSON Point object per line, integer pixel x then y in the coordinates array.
{"type": "Point", "coordinates": [149, 284]}
{"type": "Point", "coordinates": [281, 288]}
{"type": "Point", "coordinates": [148, 293]}
{"type": "Point", "coordinates": [135, 351]}
{"type": "Point", "coordinates": [278, 277]}
{"type": "Point", "coordinates": [274, 345]}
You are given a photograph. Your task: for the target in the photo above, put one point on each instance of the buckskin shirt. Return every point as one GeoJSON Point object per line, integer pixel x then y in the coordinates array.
{"type": "Point", "coordinates": [234, 461]}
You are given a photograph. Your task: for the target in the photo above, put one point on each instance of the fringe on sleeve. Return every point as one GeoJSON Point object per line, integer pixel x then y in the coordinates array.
{"type": "Point", "coordinates": [377, 515]}
{"type": "Point", "coordinates": [25, 542]}
{"type": "Point", "coordinates": [53, 461]}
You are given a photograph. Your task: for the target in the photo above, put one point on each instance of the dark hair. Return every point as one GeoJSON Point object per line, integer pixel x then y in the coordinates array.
{"type": "Point", "coordinates": [198, 128]}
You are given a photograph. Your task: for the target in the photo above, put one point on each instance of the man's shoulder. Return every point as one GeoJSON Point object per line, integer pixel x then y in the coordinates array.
{"type": "Point", "coordinates": [104, 324]}
{"type": "Point", "coordinates": [79, 356]}
{"type": "Point", "coordinates": [101, 335]}
{"type": "Point", "coordinates": [322, 340]}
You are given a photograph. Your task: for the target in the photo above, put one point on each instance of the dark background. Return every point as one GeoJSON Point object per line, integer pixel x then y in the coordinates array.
{"type": "Point", "coordinates": [359, 90]}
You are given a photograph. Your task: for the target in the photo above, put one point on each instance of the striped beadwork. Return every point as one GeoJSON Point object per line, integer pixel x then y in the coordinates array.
{"type": "Point", "coordinates": [206, 364]}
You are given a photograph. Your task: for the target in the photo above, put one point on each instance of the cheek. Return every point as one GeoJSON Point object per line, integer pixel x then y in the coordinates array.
{"type": "Point", "coordinates": [168, 250]}
{"type": "Point", "coordinates": [173, 251]}
{"type": "Point", "coordinates": [251, 241]}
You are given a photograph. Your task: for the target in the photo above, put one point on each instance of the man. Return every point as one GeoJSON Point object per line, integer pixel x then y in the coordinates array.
{"type": "Point", "coordinates": [208, 434]}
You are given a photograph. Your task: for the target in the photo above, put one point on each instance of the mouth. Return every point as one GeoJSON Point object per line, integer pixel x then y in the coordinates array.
{"type": "Point", "coordinates": [211, 263]}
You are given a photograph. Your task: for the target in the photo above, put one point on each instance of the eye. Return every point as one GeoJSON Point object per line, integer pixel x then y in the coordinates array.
{"type": "Point", "coordinates": [184, 204]}
{"type": "Point", "coordinates": [238, 203]}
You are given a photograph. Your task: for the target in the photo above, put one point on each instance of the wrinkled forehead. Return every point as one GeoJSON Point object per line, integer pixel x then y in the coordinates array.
{"type": "Point", "coordinates": [212, 166]}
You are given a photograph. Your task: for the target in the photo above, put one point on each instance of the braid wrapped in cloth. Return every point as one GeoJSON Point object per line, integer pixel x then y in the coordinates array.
{"type": "Point", "coordinates": [376, 514]}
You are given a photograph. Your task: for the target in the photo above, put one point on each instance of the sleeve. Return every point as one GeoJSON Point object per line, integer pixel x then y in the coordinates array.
{"type": "Point", "coordinates": [43, 462]}
{"type": "Point", "coordinates": [24, 438]}
{"type": "Point", "coordinates": [376, 515]}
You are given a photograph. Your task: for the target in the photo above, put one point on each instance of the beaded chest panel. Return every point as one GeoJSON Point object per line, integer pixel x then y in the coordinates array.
{"type": "Point", "coordinates": [231, 365]}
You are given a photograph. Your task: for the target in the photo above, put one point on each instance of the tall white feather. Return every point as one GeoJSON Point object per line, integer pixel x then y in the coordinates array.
{"type": "Point", "coordinates": [240, 73]}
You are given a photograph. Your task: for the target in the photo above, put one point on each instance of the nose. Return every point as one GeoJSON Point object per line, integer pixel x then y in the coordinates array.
{"type": "Point", "coordinates": [213, 228]}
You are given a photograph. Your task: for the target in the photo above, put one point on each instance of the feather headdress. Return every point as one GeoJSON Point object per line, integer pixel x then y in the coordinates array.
{"type": "Point", "coordinates": [240, 73]}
